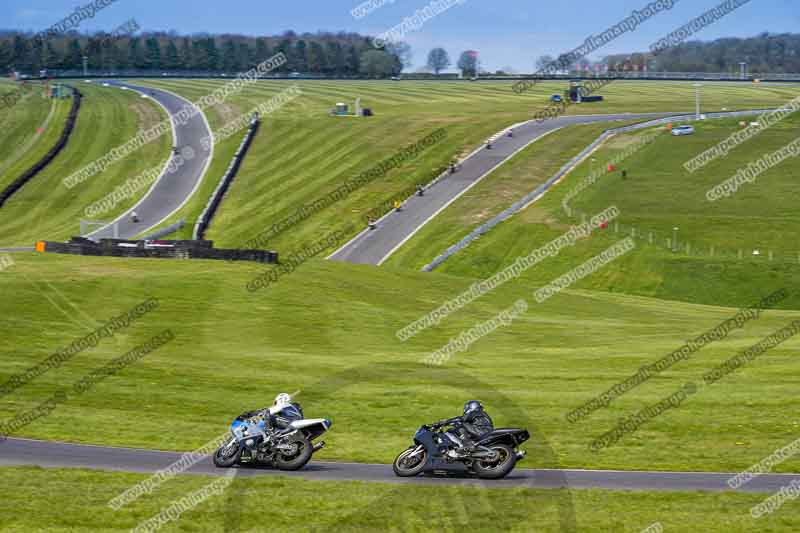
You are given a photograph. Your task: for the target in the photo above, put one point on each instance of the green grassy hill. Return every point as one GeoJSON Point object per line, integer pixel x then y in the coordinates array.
{"type": "Point", "coordinates": [28, 129]}
{"type": "Point", "coordinates": [328, 332]}
{"type": "Point", "coordinates": [79, 503]}
{"type": "Point", "coordinates": [301, 153]}
{"type": "Point", "coordinates": [329, 323]}
{"type": "Point", "coordinates": [660, 194]}
{"type": "Point", "coordinates": [718, 267]}
{"type": "Point", "coordinates": [44, 208]}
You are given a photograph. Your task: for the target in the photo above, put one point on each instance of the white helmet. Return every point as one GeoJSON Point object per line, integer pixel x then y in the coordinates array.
{"type": "Point", "coordinates": [282, 399]}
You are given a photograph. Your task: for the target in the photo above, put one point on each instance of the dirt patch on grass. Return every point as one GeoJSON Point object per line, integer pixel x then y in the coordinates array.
{"type": "Point", "coordinates": [147, 115]}
{"type": "Point", "coordinates": [619, 142]}
{"type": "Point", "coordinates": [541, 215]}
{"type": "Point", "coordinates": [624, 140]}
{"type": "Point", "coordinates": [479, 217]}
{"type": "Point", "coordinates": [227, 113]}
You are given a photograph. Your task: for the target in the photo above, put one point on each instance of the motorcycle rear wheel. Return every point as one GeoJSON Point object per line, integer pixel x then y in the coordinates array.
{"type": "Point", "coordinates": [226, 456]}
{"type": "Point", "coordinates": [400, 467]}
{"type": "Point", "coordinates": [497, 469]}
{"type": "Point", "coordinates": [299, 459]}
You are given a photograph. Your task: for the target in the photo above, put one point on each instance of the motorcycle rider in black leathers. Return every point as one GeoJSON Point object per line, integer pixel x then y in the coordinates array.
{"type": "Point", "coordinates": [467, 429]}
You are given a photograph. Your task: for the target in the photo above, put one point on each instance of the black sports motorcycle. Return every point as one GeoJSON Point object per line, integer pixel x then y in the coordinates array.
{"type": "Point", "coordinates": [287, 445]}
{"type": "Point", "coordinates": [492, 457]}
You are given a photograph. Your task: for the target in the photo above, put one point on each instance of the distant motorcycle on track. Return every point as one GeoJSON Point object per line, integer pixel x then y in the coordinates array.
{"type": "Point", "coordinates": [280, 438]}
{"type": "Point", "coordinates": [493, 456]}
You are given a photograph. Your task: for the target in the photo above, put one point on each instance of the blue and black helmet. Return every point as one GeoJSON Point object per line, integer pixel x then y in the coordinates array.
{"type": "Point", "coordinates": [472, 406]}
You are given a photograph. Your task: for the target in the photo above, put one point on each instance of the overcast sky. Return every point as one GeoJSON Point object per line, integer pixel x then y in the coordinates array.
{"type": "Point", "coordinates": [505, 32]}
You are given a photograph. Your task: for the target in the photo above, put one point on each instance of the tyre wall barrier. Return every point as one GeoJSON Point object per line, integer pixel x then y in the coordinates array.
{"type": "Point", "coordinates": [50, 155]}
{"type": "Point", "coordinates": [194, 249]}
{"type": "Point", "coordinates": [203, 222]}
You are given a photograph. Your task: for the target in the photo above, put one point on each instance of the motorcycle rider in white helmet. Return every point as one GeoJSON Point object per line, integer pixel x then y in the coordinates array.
{"type": "Point", "coordinates": [281, 401]}
{"type": "Point", "coordinates": [282, 412]}
{"type": "Point", "coordinates": [278, 416]}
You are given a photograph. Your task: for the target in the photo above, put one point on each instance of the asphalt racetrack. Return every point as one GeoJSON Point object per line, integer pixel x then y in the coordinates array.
{"type": "Point", "coordinates": [375, 246]}
{"type": "Point", "coordinates": [16, 452]}
{"type": "Point", "coordinates": [172, 189]}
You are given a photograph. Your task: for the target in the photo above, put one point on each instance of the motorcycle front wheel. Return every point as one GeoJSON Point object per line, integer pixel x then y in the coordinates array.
{"type": "Point", "coordinates": [499, 468]}
{"type": "Point", "coordinates": [228, 454]}
{"type": "Point", "coordinates": [407, 466]}
{"type": "Point", "coordinates": [297, 459]}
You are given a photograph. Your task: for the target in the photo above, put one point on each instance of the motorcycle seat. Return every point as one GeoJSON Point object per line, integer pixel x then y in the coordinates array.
{"type": "Point", "coordinates": [518, 434]}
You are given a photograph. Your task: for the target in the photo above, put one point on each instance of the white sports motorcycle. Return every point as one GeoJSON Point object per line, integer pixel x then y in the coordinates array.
{"type": "Point", "coordinates": [276, 436]}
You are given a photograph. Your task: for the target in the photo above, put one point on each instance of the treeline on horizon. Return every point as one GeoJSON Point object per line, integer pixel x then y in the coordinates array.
{"type": "Point", "coordinates": [343, 54]}
{"type": "Point", "coordinates": [330, 54]}
{"type": "Point", "coordinates": [765, 53]}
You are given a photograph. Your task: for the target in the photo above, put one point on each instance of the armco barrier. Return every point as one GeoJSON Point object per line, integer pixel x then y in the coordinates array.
{"type": "Point", "coordinates": [154, 249]}
{"type": "Point", "coordinates": [202, 223]}
{"type": "Point", "coordinates": [541, 189]}
{"type": "Point", "coordinates": [49, 156]}
{"type": "Point", "coordinates": [172, 228]}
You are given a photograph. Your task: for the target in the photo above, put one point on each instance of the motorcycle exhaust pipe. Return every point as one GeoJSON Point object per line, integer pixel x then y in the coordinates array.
{"type": "Point", "coordinates": [521, 455]}
{"type": "Point", "coordinates": [490, 455]}
{"type": "Point", "coordinates": [317, 447]}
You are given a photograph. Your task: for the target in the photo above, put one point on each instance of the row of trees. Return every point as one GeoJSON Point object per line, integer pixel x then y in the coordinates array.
{"type": "Point", "coordinates": [774, 53]}
{"type": "Point", "coordinates": [352, 54]}
{"type": "Point", "coordinates": [439, 60]}
{"type": "Point", "coordinates": [340, 54]}
{"type": "Point", "coordinates": [765, 53]}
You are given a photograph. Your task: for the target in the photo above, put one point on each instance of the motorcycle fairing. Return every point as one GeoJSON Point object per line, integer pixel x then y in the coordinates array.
{"type": "Point", "coordinates": [435, 461]}
{"type": "Point", "coordinates": [312, 426]}
{"type": "Point", "coordinates": [299, 424]}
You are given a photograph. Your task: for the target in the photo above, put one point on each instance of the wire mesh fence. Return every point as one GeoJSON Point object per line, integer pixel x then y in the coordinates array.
{"type": "Point", "coordinates": [674, 242]}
